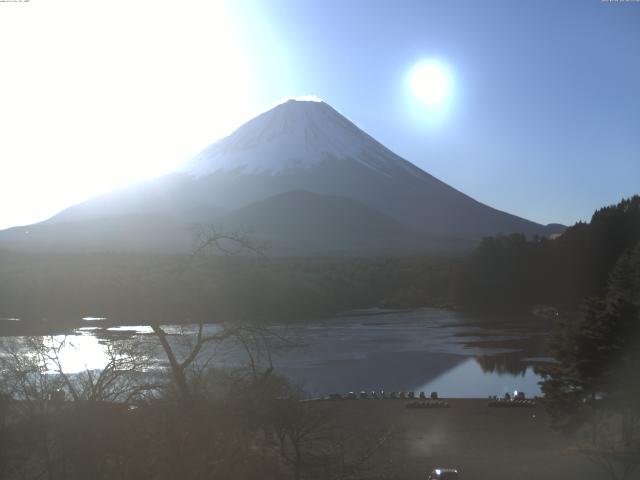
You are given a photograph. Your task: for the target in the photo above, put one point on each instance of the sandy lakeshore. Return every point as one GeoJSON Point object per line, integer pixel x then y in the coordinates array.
{"type": "Point", "coordinates": [482, 442]}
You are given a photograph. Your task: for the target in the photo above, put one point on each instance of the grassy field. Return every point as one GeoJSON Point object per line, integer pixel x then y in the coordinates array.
{"type": "Point", "coordinates": [481, 442]}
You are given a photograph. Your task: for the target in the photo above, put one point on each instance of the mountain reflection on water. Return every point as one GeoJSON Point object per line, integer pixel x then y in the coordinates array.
{"type": "Point", "coordinates": [427, 350]}
{"type": "Point", "coordinates": [422, 350]}
{"type": "Point", "coordinates": [506, 364]}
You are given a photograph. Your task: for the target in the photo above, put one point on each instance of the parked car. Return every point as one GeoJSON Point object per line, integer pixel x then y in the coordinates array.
{"type": "Point", "coordinates": [444, 474]}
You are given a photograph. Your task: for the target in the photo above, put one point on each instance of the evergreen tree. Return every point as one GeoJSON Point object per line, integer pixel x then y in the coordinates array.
{"type": "Point", "coordinates": [595, 382]}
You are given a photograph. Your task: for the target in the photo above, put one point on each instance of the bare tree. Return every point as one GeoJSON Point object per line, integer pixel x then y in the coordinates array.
{"type": "Point", "coordinates": [251, 337]}
{"type": "Point", "coordinates": [210, 239]}
{"type": "Point", "coordinates": [315, 440]}
{"type": "Point", "coordinates": [59, 424]}
{"type": "Point", "coordinates": [180, 367]}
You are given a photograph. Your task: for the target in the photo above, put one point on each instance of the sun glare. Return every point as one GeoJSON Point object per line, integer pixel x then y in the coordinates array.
{"type": "Point", "coordinates": [430, 83]}
{"type": "Point", "coordinates": [128, 92]}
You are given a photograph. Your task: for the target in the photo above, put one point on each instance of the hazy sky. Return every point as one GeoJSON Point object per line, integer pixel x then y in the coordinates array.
{"type": "Point", "coordinates": [542, 118]}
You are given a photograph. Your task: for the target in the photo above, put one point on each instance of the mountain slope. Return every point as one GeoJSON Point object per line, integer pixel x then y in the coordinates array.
{"type": "Point", "coordinates": [120, 233]}
{"type": "Point", "coordinates": [300, 222]}
{"type": "Point", "coordinates": [291, 223]}
{"type": "Point", "coordinates": [310, 146]}
{"type": "Point", "coordinates": [294, 147]}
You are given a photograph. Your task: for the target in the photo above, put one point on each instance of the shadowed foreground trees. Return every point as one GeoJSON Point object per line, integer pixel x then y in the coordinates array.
{"type": "Point", "coordinates": [201, 423]}
{"type": "Point", "coordinates": [58, 424]}
{"type": "Point", "coordinates": [596, 383]}
{"type": "Point", "coordinates": [317, 440]}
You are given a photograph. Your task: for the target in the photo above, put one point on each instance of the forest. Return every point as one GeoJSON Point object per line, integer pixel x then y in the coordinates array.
{"type": "Point", "coordinates": [513, 273]}
{"type": "Point", "coordinates": [138, 289]}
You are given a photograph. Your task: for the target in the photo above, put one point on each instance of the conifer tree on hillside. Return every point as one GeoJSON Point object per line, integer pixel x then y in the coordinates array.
{"type": "Point", "coordinates": [516, 273]}
{"type": "Point", "coordinates": [595, 383]}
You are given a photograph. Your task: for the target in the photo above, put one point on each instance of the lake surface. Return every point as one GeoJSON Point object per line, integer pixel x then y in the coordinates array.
{"type": "Point", "coordinates": [422, 350]}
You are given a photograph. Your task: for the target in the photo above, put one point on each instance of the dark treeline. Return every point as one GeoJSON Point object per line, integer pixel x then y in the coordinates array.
{"type": "Point", "coordinates": [514, 273]}
{"type": "Point", "coordinates": [150, 288]}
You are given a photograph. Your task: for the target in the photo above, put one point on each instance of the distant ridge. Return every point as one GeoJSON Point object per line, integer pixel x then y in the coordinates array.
{"type": "Point", "coordinates": [308, 223]}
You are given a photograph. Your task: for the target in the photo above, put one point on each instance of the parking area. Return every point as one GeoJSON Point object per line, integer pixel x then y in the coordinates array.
{"type": "Point", "coordinates": [481, 442]}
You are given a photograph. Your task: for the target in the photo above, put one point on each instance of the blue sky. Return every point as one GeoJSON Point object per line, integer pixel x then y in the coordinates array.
{"type": "Point", "coordinates": [543, 119]}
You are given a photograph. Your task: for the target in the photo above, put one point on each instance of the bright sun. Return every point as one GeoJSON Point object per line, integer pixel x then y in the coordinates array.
{"type": "Point", "coordinates": [430, 83]}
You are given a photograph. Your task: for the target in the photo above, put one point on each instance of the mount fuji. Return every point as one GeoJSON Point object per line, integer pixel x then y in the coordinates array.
{"type": "Point", "coordinates": [301, 176]}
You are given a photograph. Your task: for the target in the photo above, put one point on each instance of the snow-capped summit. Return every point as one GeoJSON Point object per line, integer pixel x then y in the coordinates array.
{"type": "Point", "coordinates": [308, 145]}
{"type": "Point", "coordinates": [295, 135]}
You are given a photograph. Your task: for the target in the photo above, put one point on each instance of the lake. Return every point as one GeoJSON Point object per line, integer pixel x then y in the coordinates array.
{"type": "Point", "coordinates": [427, 350]}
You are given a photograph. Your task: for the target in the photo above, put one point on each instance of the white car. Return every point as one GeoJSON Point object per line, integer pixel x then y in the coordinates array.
{"type": "Point", "coordinates": [444, 474]}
